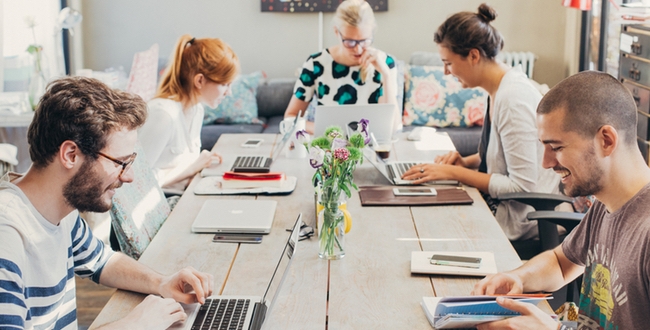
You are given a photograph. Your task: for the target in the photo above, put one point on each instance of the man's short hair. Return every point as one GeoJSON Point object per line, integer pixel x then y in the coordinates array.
{"type": "Point", "coordinates": [82, 110]}
{"type": "Point", "coordinates": [590, 100]}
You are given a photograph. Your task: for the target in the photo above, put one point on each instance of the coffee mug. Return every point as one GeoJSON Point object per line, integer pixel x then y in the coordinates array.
{"type": "Point", "coordinates": [287, 124]}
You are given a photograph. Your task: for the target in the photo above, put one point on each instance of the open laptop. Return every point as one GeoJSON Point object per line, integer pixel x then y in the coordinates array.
{"type": "Point", "coordinates": [243, 312]}
{"type": "Point", "coordinates": [393, 171]}
{"type": "Point", "coordinates": [261, 164]}
{"type": "Point", "coordinates": [380, 116]}
{"type": "Point", "coordinates": [237, 216]}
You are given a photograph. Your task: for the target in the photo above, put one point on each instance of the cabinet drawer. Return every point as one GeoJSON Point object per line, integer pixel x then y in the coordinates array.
{"type": "Point", "coordinates": [635, 40]}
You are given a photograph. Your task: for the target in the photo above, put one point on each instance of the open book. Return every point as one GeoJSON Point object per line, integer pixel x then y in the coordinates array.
{"type": "Point", "coordinates": [469, 311]}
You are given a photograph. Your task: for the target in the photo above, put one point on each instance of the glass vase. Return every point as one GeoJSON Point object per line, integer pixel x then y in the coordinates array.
{"type": "Point", "coordinates": [36, 88]}
{"type": "Point", "coordinates": [331, 228]}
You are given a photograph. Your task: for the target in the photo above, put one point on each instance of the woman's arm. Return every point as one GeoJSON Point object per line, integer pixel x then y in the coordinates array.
{"type": "Point", "coordinates": [386, 66]}
{"type": "Point", "coordinates": [155, 134]}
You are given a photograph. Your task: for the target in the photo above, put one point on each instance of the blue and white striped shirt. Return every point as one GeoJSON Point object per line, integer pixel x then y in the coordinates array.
{"type": "Point", "coordinates": [38, 261]}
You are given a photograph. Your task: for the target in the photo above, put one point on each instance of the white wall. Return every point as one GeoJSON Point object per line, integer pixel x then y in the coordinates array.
{"type": "Point", "coordinates": [278, 43]}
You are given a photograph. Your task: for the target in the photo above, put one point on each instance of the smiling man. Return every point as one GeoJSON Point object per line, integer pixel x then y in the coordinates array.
{"type": "Point", "coordinates": [588, 126]}
{"type": "Point", "coordinates": [81, 143]}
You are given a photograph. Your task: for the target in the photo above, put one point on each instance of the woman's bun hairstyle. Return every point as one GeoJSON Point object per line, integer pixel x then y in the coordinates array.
{"type": "Point", "coordinates": [465, 31]}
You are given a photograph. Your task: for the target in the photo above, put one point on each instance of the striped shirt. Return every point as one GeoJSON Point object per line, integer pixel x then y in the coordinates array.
{"type": "Point", "coordinates": [38, 261]}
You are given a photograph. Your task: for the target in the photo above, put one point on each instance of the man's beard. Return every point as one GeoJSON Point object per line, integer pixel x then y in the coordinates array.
{"type": "Point", "coordinates": [84, 190]}
{"type": "Point", "coordinates": [593, 184]}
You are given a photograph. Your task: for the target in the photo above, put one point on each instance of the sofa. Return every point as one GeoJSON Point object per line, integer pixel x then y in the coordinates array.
{"type": "Point", "coordinates": [273, 96]}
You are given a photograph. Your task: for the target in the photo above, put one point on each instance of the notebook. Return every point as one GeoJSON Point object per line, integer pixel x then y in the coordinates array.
{"type": "Point", "coordinates": [379, 116]}
{"type": "Point", "coordinates": [393, 171]}
{"type": "Point", "coordinates": [240, 216]}
{"type": "Point", "coordinates": [243, 312]}
{"type": "Point", "coordinates": [212, 185]}
{"type": "Point", "coordinates": [384, 196]}
{"type": "Point", "coordinates": [469, 311]}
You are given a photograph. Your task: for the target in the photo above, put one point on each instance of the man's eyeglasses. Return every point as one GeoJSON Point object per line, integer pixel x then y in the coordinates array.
{"type": "Point", "coordinates": [351, 43]}
{"type": "Point", "coordinates": [125, 165]}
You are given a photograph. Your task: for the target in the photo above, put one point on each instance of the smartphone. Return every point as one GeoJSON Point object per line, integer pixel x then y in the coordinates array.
{"type": "Point", "coordinates": [237, 238]}
{"type": "Point", "coordinates": [252, 143]}
{"type": "Point", "coordinates": [420, 191]}
{"type": "Point", "coordinates": [458, 261]}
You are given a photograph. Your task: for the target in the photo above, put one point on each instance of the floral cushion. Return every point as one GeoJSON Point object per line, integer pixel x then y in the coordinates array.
{"type": "Point", "coordinates": [435, 99]}
{"type": "Point", "coordinates": [139, 209]}
{"type": "Point", "coordinates": [241, 106]}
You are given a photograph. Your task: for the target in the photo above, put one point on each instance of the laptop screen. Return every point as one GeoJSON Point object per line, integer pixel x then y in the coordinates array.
{"type": "Point", "coordinates": [285, 138]}
{"type": "Point", "coordinates": [280, 273]}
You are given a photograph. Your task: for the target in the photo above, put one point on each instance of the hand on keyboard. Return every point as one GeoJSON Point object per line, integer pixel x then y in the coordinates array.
{"type": "Point", "coordinates": [153, 312]}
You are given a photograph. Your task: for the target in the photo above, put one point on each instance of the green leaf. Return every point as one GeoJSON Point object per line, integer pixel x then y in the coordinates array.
{"type": "Point", "coordinates": [33, 49]}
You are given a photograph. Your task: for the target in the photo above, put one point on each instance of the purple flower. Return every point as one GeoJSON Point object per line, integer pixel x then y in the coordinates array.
{"type": "Point", "coordinates": [316, 156]}
{"type": "Point", "coordinates": [364, 130]}
{"type": "Point", "coordinates": [338, 143]}
{"type": "Point", "coordinates": [302, 137]}
{"type": "Point", "coordinates": [341, 154]}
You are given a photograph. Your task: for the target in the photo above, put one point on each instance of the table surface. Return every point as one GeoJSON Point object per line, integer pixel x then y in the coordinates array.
{"type": "Point", "coordinates": [371, 287]}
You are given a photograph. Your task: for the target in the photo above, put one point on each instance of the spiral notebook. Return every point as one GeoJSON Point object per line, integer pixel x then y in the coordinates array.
{"type": "Point", "coordinates": [469, 311]}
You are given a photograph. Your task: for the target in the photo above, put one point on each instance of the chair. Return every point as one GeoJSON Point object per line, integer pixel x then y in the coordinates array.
{"type": "Point", "coordinates": [547, 220]}
{"type": "Point", "coordinates": [139, 210]}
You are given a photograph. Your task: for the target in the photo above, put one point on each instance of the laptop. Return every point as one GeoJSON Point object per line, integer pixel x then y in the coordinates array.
{"type": "Point", "coordinates": [243, 312]}
{"type": "Point", "coordinates": [237, 216]}
{"type": "Point", "coordinates": [261, 164]}
{"type": "Point", "coordinates": [393, 171]}
{"type": "Point", "coordinates": [380, 116]}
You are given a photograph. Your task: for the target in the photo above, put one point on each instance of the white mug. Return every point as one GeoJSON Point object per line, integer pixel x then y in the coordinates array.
{"type": "Point", "coordinates": [287, 124]}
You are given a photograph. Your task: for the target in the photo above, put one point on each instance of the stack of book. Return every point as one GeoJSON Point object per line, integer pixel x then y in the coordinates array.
{"type": "Point", "coordinates": [241, 180]}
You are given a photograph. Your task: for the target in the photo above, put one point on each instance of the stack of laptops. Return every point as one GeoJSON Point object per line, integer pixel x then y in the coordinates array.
{"type": "Point", "coordinates": [243, 312]}
{"type": "Point", "coordinates": [393, 171]}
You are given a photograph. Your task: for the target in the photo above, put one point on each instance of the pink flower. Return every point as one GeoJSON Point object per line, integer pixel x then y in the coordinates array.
{"type": "Point", "coordinates": [426, 94]}
{"type": "Point", "coordinates": [341, 154]}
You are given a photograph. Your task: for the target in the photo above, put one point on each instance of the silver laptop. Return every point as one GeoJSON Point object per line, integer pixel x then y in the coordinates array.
{"type": "Point", "coordinates": [380, 116]}
{"type": "Point", "coordinates": [393, 171]}
{"type": "Point", "coordinates": [243, 312]}
{"type": "Point", "coordinates": [240, 216]}
{"type": "Point", "coordinates": [261, 164]}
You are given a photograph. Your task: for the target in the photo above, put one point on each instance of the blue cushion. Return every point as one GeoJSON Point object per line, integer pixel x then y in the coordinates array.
{"type": "Point", "coordinates": [435, 99]}
{"type": "Point", "coordinates": [241, 106]}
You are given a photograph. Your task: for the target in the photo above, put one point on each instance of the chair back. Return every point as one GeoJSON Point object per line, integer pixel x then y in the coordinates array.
{"type": "Point", "coordinates": [139, 209]}
{"type": "Point", "coordinates": [144, 73]}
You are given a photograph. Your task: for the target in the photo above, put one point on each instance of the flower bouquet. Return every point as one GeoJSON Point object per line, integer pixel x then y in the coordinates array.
{"type": "Point", "coordinates": [334, 157]}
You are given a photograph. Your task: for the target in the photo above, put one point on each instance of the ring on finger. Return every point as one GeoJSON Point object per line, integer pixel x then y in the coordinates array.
{"type": "Point", "coordinates": [422, 170]}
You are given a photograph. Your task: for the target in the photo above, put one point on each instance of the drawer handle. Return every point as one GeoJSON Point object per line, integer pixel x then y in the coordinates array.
{"type": "Point", "coordinates": [636, 48]}
{"type": "Point", "coordinates": [635, 73]}
{"type": "Point", "coordinates": [637, 100]}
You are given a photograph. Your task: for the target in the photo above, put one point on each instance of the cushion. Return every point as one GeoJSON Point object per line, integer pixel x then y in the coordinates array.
{"type": "Point", "coordinates": [241, 106]}
{"type": "Point", "coordinates": [435, 99]}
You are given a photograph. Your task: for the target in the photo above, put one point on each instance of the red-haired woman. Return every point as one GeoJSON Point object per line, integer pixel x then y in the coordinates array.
{"type": "Point", "coordinates": [200, 72]}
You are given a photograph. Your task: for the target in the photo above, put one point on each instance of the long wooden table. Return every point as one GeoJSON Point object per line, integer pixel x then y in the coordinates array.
{"type": "Point", "coordinates": [370, 288]}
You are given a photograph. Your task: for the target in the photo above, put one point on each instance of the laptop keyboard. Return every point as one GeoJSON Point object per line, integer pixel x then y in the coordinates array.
{"type": "Point", "coordinates": [401, 168]}
{"type": "Point", "coordinates": [248, 161]}
{"type": "Point", "coordinates": [221, 314]}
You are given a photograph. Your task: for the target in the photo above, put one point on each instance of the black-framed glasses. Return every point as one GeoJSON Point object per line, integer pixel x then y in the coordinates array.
{"type": "Point", "coordinates": [351, 43]}
{"type": "Point", "coordinates": [125, 165]}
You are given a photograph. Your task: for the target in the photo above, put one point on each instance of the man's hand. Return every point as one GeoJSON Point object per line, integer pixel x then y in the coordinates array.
{"type": "Point", "coordinates": [153, 312]}
{"type": "Point", "coordinates": [531, 317]}
{"type": "Point", "coordinates": [501, 283]}
{"type": "Point", "coordinates": [174, 286]}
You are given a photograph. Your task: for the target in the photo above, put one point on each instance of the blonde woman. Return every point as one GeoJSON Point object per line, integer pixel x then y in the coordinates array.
{"type": "Point", "coordinates": [350, 72]}
{"type": "Point", "coordinates": [200, 72]}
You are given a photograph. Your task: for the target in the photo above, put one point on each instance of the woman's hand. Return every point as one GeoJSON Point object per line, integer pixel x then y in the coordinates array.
{"type": "Point", "coordinates": [206, 158]}
{"type": "Point", "coordinates": [451, 158]}
{"type": "Point", "coordinates": [371, 57]}
{"type": "Point", "coordinates": [429, 172]}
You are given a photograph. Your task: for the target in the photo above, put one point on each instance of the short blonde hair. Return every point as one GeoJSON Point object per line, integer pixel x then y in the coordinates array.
{"type": "Point", "coordinates": [354, 13]}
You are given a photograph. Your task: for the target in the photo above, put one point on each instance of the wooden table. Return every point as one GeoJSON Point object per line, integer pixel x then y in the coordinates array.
{"type": "Point", "coordinates": [371, 288]}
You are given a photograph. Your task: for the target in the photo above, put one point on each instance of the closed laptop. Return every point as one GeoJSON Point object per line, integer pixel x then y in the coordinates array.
{"type": "Point", "coordinates": [241, 216]}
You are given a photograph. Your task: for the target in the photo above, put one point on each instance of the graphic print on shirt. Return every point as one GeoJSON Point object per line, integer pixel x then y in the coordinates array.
{"type": "Point", "coordinates": [601, 293]}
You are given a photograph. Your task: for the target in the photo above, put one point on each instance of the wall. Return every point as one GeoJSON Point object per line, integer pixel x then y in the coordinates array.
{"type": "Point", "coordinates": [278, 43]}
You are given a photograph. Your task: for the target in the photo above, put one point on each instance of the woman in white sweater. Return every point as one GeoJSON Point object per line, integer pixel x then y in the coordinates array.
{"type": "Point", "coordinates": [510, 155]}
{"type": "Point", "coordinates": [200, 72]}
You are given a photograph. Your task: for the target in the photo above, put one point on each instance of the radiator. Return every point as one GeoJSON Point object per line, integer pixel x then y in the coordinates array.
{"type": "Point", "coordinates": [526, 59]}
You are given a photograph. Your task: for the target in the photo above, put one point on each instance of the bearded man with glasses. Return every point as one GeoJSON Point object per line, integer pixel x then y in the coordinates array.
{"type": "Point", "coordinates": [352, 72]}
{"type": "Point", "coordinates": [81, 143]}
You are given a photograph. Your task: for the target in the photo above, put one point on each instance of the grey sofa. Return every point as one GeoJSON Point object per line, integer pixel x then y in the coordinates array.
{"type": "Point", "coordinates": [274, 95]}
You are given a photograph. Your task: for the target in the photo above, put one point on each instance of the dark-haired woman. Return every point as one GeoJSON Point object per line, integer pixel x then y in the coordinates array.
{"type": "Point", "coordinates": [200, 72]}
{"type": "Point", "coordinates": [510, 156]}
